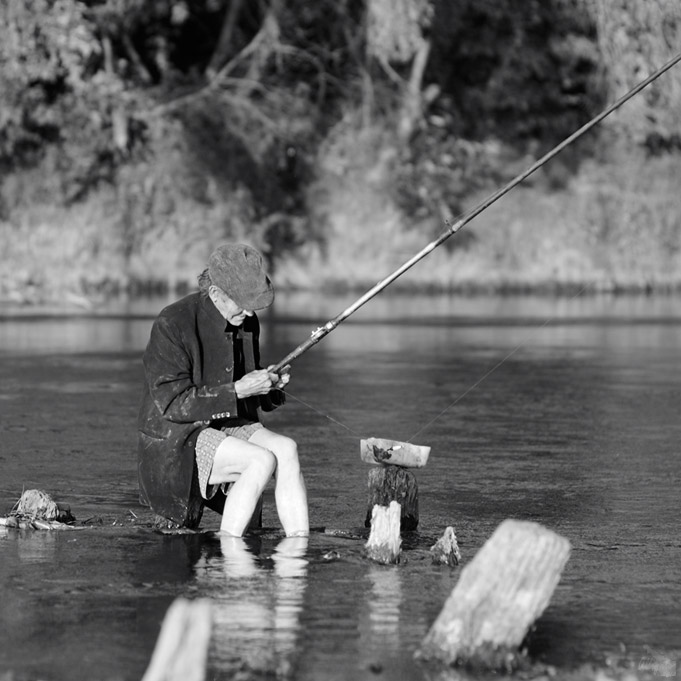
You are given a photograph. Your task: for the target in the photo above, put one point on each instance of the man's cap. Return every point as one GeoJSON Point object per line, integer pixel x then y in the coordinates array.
{"type": "Point", "coordinates": [238, 269]}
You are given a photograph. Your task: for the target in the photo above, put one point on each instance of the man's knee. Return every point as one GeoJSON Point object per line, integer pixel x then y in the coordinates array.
{"type": "Point", "coordinates": [286, 451]}
{"type": "Point", "coordinates": [234, 459]}
{"type": "Point", "coordinates": [263, 460]}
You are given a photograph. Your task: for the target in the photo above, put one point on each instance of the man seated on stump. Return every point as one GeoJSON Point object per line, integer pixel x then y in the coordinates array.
{"type": "Point", "coordinates": [200, 435]}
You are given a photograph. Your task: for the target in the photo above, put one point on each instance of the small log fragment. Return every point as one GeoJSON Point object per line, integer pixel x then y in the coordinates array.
{"type": "Point", "coordinates": [182, 646]}
{"type": "Point", "coordinates": [54, 525]}
{"type": "Point", "coordinates": [384, 541]}
{"type": "Point", "coordinates": [37, 510]}
{"type": "Point", "coordinates": [376, 450]}
{"type": "Point", "coordinates": [445, 551]}
{"type": "Point", "coordinates": [500, 593]}
{"type": "Point", "coordinates": [392, 483]}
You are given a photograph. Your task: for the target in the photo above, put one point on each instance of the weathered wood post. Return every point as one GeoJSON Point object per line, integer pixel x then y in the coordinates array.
{"type": "Point", "coordinates": [390, 479]}
{"type": "Point", "coordinates": [446, 551]}
{"type": "Point", "coordinates": [182, 647]}
{"type": "Point", "coordinates": [500, 593]}
{"type": "Point", "coordinates": [384, 541]}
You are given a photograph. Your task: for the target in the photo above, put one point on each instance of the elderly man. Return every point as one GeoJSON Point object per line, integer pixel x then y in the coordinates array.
{"type": "Point", "coordinates": [200, 436]}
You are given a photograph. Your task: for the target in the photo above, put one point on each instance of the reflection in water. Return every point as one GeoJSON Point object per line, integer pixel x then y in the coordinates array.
{"type": "Point", "coordinates": [36, 547]}
{"type": "Point", "coordinates": [257, 603]}
{"type": "Point", "coordinates": [385, 600]}
{"type": "Point", "coordinates": [578, 430]}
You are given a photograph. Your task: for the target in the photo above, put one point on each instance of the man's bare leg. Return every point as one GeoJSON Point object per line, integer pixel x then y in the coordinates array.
{"type": "Point", "coordinates": [250, 468]}
{"type": "Point", "coordinates": [238, 561]}
{"type": "Point", "coordinates": [289, 492]}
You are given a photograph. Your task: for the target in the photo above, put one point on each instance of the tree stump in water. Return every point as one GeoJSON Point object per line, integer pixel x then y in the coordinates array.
{"type": "Point", "coordinates": [384, 541]}
{"type": "Point", "coordinates": [389, 479]}
{"type": "Point", "coordinates": [500, 593]}
{"type": "Point", "coordinates": [445, 551]}
{"type": "Point", "coordinates": [393, 483]}
{"type": "Point", "coordinates": [182, 647]}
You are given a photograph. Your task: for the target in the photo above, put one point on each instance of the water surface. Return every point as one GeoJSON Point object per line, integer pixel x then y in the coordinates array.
{"type": "Point", "coordinates": [564, 412]}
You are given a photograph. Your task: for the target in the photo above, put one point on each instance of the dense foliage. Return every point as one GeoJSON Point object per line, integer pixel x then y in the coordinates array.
{"type": "Point", "coordinates": [134, 134]}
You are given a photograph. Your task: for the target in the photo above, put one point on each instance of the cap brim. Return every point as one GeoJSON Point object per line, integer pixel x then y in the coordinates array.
{"type": "Point", "coordinates": [258, 301]}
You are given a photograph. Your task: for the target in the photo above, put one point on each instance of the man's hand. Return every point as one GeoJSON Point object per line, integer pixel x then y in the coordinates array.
{"type": "Point", "coordinates": [258, 382]}
{"type": "Point", "coordinates": [282, 378]}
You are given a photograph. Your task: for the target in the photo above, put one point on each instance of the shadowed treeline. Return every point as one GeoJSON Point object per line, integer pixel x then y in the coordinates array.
{"type": "Point", "coordinates": [338, 137]}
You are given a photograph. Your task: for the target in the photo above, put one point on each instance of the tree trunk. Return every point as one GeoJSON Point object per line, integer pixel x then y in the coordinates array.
{"type": "Point", "coordinates": [223, 47]}
{"type": "Point", "coordinates": [119, 119]}
{"type": "Point", "coordinates": [412, 99]}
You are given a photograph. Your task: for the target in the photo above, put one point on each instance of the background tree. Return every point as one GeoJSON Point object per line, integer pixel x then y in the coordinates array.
{"type": "Point", "coordinates": [136, 133]}
{"type": "Point", "coordinates": [398, 38]}
{"type": "Point", "coordinates": [634, 38]}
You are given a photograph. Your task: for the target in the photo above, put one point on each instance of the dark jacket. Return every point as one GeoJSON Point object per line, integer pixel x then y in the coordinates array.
{"type": "Point", "coordinates": [189, 367]}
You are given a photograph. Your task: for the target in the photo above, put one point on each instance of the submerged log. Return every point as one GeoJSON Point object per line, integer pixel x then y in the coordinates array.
{"type": "Point", "coordinates": [182, 647]}
{"type": "Point", "coordinates": [500, 594]}
{"type": "Point", "coordinates": [392, 483]}
{"type": "Point", "coordinates": [384, 541]}
{"type": "Point", "coordinates": [445, 551]}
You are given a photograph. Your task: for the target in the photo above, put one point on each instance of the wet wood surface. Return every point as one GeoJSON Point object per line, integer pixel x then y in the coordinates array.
{"type": "Point", "coordinates": [181, 650]}
{"type": "Point", "coordinates": [376, 450]}
{"type": "Point", "coordinates": [392, 483]}
{"type": "Point", "coordinates": [500, 593]}
{"type": "Point", "coordinates": [384, 541]}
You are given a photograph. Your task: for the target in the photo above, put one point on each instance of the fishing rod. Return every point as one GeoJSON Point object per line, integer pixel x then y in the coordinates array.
{"type": "Point", "coordinates": [323, 331]}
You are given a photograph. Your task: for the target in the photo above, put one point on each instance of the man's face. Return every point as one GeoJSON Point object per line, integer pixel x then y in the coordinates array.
{"type": "Point", "coordinates": [227, 307]}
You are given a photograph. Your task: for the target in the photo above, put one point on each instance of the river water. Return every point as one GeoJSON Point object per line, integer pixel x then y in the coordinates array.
{"type": "Point", "coordinates": [560, 411]}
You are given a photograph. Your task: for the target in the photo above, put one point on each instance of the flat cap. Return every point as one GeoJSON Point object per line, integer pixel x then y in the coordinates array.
{"type": "Point", "coordinates": [239, 270]}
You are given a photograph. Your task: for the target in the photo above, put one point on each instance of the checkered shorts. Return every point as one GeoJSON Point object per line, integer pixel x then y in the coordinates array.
{"type": "Point", "coordinates": [207, 444]}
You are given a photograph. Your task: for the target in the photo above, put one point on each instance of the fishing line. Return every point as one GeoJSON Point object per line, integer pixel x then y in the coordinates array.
{"type": "Point", "coordinates": [460, 397]}
{"type": "Point", "coordinates": [494, 368]}
{"type": "Point", "coordinates": [452, 229]}
{"type": "Point", "coordinates": [326, 416]}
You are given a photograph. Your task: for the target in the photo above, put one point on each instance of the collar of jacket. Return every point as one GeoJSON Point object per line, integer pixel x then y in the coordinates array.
{"type": "Point", "coordinates": [214, 317]}
{"type": "Point", "coordinates": [211, 312]}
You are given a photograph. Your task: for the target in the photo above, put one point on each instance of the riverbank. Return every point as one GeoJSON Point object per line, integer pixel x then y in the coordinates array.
{"type": "Point", "coordinates": [126, 154]}
{"type": "Point", "coordinates": [612, 228]}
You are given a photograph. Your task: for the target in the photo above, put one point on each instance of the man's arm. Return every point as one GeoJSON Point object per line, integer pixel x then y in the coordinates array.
{"type": "Point", "coordinates": [168, 371]}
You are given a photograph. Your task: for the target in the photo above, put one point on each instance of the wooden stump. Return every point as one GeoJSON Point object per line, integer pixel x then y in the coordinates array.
{"type": "Point", "coordinates": [384, 541]}
{"type": "Point", "coordinates": [500, 593]}
{"type": "Point", "coordinates": [393, 483]}
{"type": "Point", "coordinates": [182, 647]}
{"type": "Point", "coordinates": [445, 551]}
